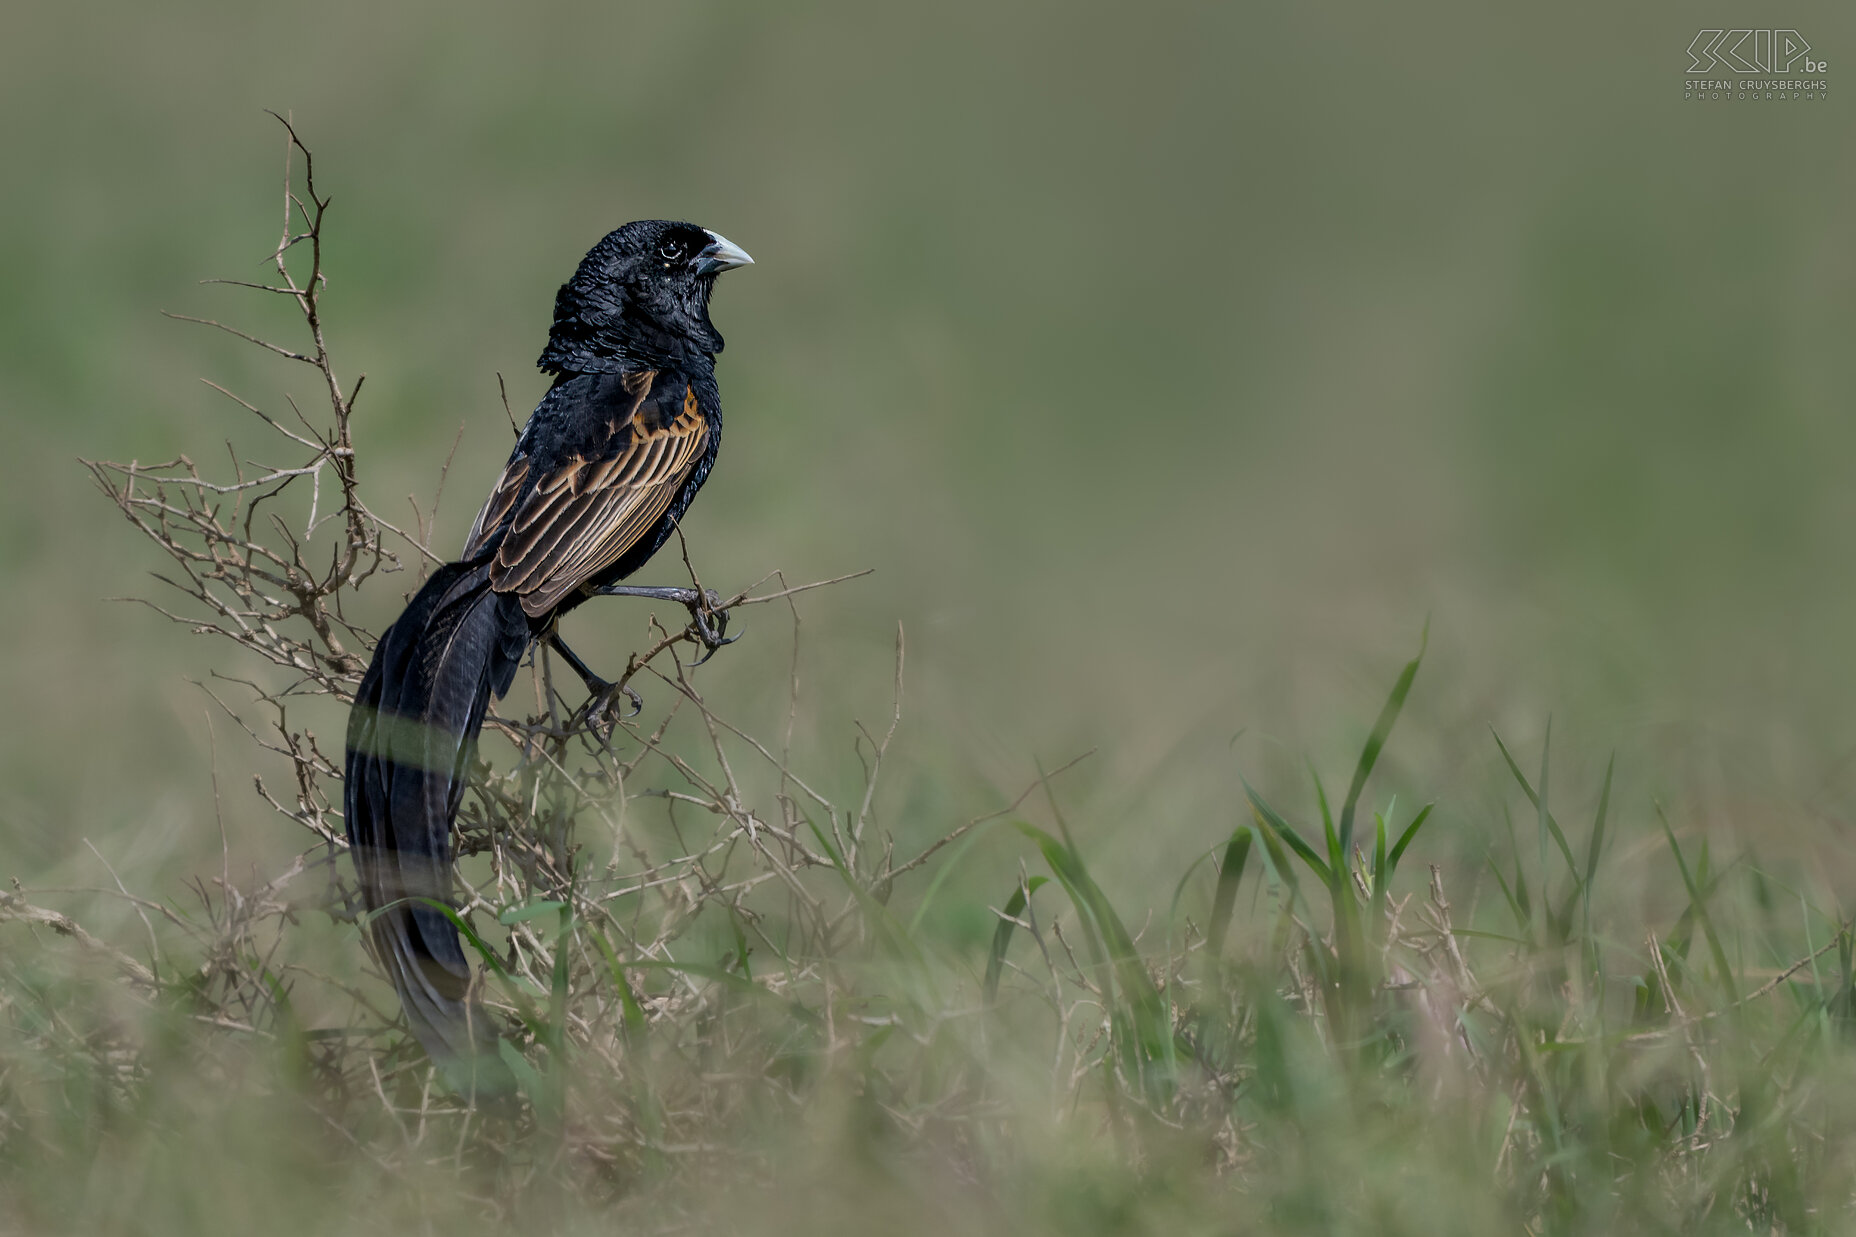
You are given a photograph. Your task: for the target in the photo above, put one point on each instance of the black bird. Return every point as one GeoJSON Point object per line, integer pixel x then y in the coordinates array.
{"type": "Point", "coordinates": [606, 465]}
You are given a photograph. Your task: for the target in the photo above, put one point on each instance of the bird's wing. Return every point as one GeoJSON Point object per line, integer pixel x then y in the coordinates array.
{"type": "Point", "coordinates": [582, 517]}
{"type": "Point", "coordinates": [501, 502]}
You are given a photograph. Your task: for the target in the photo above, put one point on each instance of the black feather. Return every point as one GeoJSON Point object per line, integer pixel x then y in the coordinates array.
{"type": "Point", "coordinates": [411, 737]}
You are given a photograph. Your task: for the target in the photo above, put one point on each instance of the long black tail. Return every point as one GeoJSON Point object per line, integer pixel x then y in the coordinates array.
{"type": "Point", "coordinates": [411, 736]}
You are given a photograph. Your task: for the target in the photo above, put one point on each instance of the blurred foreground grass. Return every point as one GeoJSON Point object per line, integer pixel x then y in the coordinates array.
{"type": "Point", "coordinates": [1306, 1038]}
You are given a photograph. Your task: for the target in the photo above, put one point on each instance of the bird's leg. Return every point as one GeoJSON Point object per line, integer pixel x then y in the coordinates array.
{"type": "Point", "coordinates": [708, 621]}
{"type": "Point", "coordinates": [682, 596]}
{"type": "Point", "coordinates": [593, 682]}
{"type": "Point", "coordinates": [600, 689]}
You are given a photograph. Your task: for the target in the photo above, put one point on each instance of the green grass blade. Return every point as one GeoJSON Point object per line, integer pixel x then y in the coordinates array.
{"type": "Point", "coordinates": [1551, 825]}
{"type": "Point", "coordinates": [538, 1092]}
{"type": "Point", "coordinates": [1597, 844]}
{"type": "Point", "coordinates": [1057, 855]}
{"type": "Point", "coordinates": [1698, 903]}
{"type": "Point", "coordinates": [1517, 905]}
{"type": "Point", "coordinates": [1404, 839]}
{"type": "Point", "coordinates": [525, 1008]}
{"type": "Point", "coordinates": [1002, 935]}
{"type": "Point", "coordinates": [1376, 741]}
{"type": "Point", "coordinates": [1543, 819]}
{"type": "Point", "coordinates": [1146, 1013]}
{"type": "Point", "coordinates": [628, 1000]}
{"type": "Point", "coordinates": [1271, 820]}
{"type": "Point", "coordinates": [1379, 846]}
{"type": "Point", "coordinates": [1224, 899]}
{"type": "Point", "coordinates": [1330, 836]}
{"type": "Point", "coordinates": [1594, 848]}
{"type": "Point", "coordinates": [1379, 867]}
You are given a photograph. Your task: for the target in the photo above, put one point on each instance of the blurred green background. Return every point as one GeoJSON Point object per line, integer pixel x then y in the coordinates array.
{"type": "Point", "coordinates": [1171, 364]}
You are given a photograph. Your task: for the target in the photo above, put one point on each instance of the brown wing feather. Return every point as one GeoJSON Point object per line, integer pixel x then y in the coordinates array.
{"type": "Point", "coordinates": [497, 508]}
{"type": "Point", "coordinates": [584, 517]}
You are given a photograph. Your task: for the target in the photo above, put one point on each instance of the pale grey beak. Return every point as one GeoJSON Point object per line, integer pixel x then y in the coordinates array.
{"type": "Point", "coordinates": [722, 255]}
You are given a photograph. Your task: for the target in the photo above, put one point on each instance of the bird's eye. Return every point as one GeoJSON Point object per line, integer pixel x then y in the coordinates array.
{"type": "Point", "coordinates": [670, 251]}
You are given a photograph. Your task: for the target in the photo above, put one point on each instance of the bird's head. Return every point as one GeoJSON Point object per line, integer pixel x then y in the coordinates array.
{"type": "Point", "coordinates": [640, 298]}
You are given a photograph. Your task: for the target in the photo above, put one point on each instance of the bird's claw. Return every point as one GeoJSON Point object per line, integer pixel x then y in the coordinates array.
{"type": "Point", "coordinates": [709, 624]}
{"type": "Point", "coordinates": [605, 694]}
{"type": "Point", "coordinates": [708, 615]}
